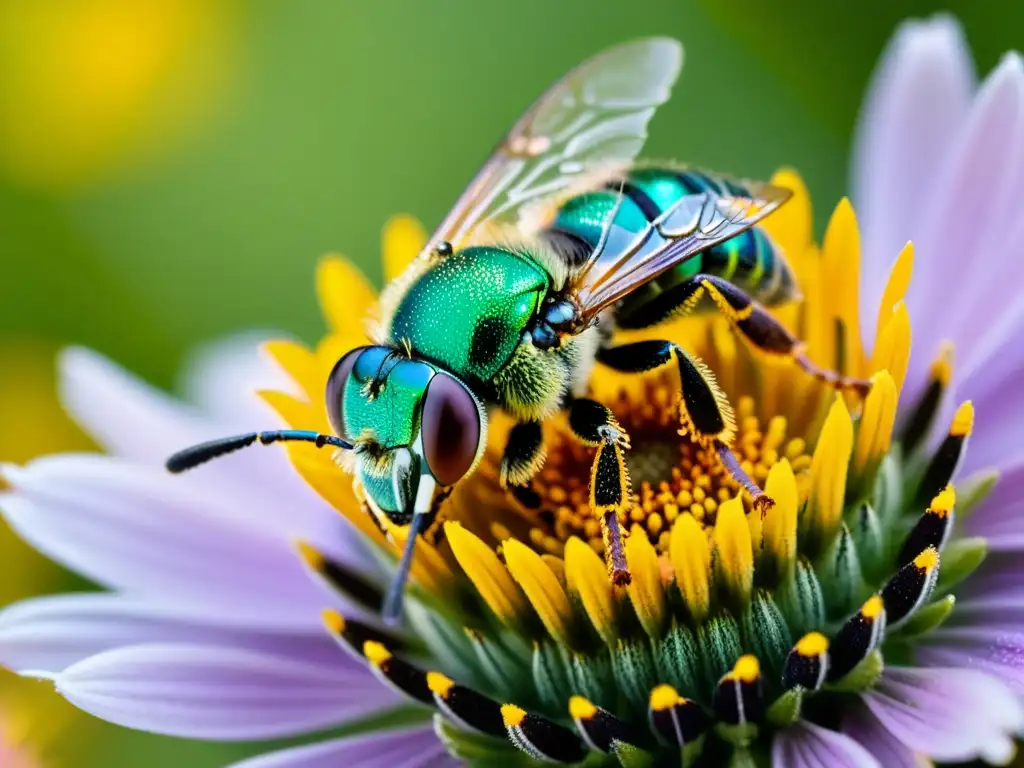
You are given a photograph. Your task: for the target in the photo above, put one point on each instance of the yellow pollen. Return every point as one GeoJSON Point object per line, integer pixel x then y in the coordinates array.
{"type": "Point", "coordinates": [943, 504]}
{"type": "Point", "coordinates": [672, 477]}
{"type": "Point", "coordinates": [512, 715]}
{"type": "Point", "coordinates": [376, 653]}
{"type": "Point", "coordinates": [665, 697]}
{"type": "Point", "coordinates": [927, 560]}
{"type": "Point", "coordinates": [747, 669]}
{"type": "Point", "coordinates": [334, 621]}
{"type": "Point", "coordinates": [581, 709]}
{"type": "Point", "coordinates": [439, 684]}
{"type": "Point", "coordinates": [963, 420]}
{"type": "Point", "coordinates": [873, 608]}
{"type": "Point", "coordinates": [812, 644]}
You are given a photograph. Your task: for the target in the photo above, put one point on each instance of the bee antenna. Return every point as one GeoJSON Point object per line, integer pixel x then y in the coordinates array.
{"type": "Point", "coordinates": [204, 452]}
{"type": "Point", "coordinates": [392, 609]}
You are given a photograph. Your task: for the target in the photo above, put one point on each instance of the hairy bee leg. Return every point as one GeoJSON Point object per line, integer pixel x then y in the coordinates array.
{"type": "Point", "coordinates": [593, 424]}
{"type": "Point", "coordinates": [524, 454]}
{"type": "Point", "coordinates": [705, 411]}
{"type": "Point", "coordinates": [755, 323]}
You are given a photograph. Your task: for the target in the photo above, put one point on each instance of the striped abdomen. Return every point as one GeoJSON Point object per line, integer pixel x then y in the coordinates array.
{"type": "Point", "coordinates": [749, 260]}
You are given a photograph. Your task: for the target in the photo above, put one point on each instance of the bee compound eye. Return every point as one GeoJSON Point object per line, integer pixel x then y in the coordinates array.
{"type": "Point", "coordinates": [335, 395]}
{"type": "Point", "coordinates": [450, 428]}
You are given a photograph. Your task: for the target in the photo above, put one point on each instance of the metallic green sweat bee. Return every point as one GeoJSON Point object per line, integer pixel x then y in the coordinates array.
{"type": "Point", "coordinates": [559, 240]}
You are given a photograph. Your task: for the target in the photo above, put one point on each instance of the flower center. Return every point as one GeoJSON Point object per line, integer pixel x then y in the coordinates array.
{"type": "Point", "coordinates": [671, 475]}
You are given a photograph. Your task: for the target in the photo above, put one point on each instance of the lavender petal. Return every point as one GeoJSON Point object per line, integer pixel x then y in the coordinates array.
{"type": "Point", "coordinates": [967, 210]}
{"type": "Point", "coordinates": [918, 98]}
{"type": "Point", "coordinates": [135, 421]}
{"type": "Point", "coordinates": [208, 692]}
{"type": "Point", "coordinates": [805, 745]}
{"type": "Point", "coordinates": [862, 726]}
{"type": "Point", "coordinates": [136, 529]}
{"type": "Point", "coordinates": [947, 713]}
{"type": "Point", "coordinates": [1000, 517]}
{"type": "Point", "coordinates": [52, 633]}
{"type": "Point", "coordinates": [413, 748]}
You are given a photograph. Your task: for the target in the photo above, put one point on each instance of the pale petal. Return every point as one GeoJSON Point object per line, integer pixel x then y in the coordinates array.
{"type": "Point", "coordinates": [947, 713]}
{"type": "Point", "coordinates": [995, 586]}
{"type": "Point", "coordinates": [51, 633]}
{"type": "Point", "coordinates": [862, 726]}
{"type": "Point", "coordinates": [223, 376]}
{"type": "Point", "coordinates": [413, 748]}
{"type": "Point", "coordinates": [971, 215]}
{"type": "Point", "coordinates": [979, 168]}
{"type": "Point", "coordinates": [137, 529]}
{"type": "Point", "coordinates": [206, 692]}
{"type": "Point", "coordinates": [997, 439]}
{"type": "Point", "coordinates": [1000, 517]}
{"type": "Point", "coordinates": [125, 415]}
{"type": "Point", "coordinates": [135, 421]}
{"type": "Point", "coordinates": [995, 648]}
{"type": "Point", "coordinates": [805, 745]}
{"type": "Point", "coordinates": [918, 98]}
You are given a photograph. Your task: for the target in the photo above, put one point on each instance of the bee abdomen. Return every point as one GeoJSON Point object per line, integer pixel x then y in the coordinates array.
{"type": "Point", "coordinates": [750, 260]}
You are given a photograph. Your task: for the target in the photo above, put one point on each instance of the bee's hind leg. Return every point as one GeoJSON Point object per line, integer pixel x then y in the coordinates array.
{"type": "Point", "coordinates": [706, 415]}
{"type": "Point", "coordinates": [610, 493]}
{"type": "Point", "coordinates": [747, 316]}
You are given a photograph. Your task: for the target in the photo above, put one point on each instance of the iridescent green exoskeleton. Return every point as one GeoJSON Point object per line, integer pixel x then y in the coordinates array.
{"type": "Point", "coordinates": [560, 239]}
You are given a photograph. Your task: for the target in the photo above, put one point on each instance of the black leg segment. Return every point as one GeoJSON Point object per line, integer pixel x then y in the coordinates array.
{"type": "Point", "coordinates": [705, 413]}
{"type": "Point", "coordinates": [594, 424]}
{"type": "Point", "coordinates": [524, 454]}
{"type": "Point", "coordinates": [752, 320]}
{"type": "Point", "coordinates": [610, 489]}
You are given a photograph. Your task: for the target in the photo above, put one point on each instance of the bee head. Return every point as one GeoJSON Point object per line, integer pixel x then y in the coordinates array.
{"type": "Point", "coordinates": [416, 427]}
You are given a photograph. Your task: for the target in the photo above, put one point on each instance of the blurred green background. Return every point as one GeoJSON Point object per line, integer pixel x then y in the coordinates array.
{"type": "Point", "coordinates": [170, 170]}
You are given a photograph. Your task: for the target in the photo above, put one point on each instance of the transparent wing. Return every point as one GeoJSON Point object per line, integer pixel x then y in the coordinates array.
{"type": "Point", "coordinates": [625, 260]}
{"type": "Point", "coordinates": [596, 116]}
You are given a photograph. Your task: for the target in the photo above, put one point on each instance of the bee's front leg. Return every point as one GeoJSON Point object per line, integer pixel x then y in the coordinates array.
{"type": "Point", "coordinates": [523, 457]}
{"type": "Point", "coordinates": [610, 491]}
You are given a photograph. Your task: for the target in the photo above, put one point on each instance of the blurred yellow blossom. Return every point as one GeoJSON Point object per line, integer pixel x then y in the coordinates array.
{"type": "Point", "coordinates": [89, 86]}
{"type": "Point", "coordinates": [35, 724]}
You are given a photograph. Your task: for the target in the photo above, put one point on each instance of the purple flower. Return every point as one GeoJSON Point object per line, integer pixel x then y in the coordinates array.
{"type": "Point", "coordinates": [211, 625]}
{"type": "Point", "coordinates": [823, 632]}
{"type": "Point", "coordinates": [940, 160]}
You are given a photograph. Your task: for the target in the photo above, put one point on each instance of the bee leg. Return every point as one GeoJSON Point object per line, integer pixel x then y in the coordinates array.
{"type": "Point", "coordinates": [706, 415]}
{"type": "Point", "coordinates": [524, 454]}
{"type": "Point", "coordinates": [755, 323]}
{"type": "Point", "coordinates": [610, 491]}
